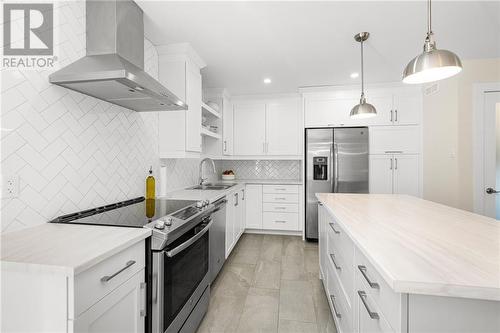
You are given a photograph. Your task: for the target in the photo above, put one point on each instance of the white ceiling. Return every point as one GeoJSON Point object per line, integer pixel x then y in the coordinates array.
{"type": "Point", "coordinates": [311, 43]}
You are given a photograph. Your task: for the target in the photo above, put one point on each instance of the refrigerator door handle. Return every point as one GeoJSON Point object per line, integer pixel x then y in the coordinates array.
{"type": "Point", "coordinates": [336, 171]}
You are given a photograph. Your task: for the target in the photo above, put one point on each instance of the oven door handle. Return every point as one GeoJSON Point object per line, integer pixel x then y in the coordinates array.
{"type": "Point", "coordinates": [189, 242]}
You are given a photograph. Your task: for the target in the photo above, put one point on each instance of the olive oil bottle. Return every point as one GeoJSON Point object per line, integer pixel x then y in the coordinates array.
{"type": "Point", "coordinates": [150, 185]}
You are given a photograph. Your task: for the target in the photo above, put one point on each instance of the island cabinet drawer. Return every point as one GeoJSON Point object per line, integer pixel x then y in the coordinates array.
{"type": "Point", "coordinates": [280, 221]}
{"type": "Point", "coordinates": [370, 318]}
{"type": "Point", "coordinates": [282, 208]}
{"type": "Point", "coordinates": [369, 281]}
{"type": "Point", "coordinates": [280, 198]}
{"type": "Point", "coordinates": [280, 189]}
{"type": "Point", "coordinates": [341, 311]}
{"type": "Point", "coordinates": [344, 271]}
{"type": "Point", "coordinates": [339, 242]}
{"type": "Point", "coordinates": [99, 280]}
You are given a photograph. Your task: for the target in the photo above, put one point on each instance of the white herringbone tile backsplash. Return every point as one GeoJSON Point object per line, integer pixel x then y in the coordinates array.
{"type": "Point", "coordinates": [261, 169]}
{"type": "Point", "coordinates": [70, 151]}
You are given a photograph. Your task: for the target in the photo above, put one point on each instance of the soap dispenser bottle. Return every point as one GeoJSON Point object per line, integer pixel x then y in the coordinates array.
{"type": "Point", "coordinates": [150, 185]}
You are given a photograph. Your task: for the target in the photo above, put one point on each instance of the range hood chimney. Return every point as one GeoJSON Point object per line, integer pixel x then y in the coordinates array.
{"type": "Point", "coordinates": [113, 69]}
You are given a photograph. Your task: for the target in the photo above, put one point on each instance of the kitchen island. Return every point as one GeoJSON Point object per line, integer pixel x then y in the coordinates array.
{"type": "Point", "coordinates": [396, 263]}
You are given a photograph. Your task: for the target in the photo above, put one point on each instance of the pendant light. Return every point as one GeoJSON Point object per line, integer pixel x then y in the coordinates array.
{"type": "Point", "coordinates": [363, 109]}
{"type": "Point", "coordinates": [432, 64]}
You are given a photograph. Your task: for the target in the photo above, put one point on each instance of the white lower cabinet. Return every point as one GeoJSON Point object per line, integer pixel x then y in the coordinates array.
{"type": "Point", "coordinates": [235, 218]}
{"type": "Point", "coordinates": [398, 174]}
{"type": "Point", "coordinates": [253, 206]}
{"type": "Point", "coordinates": [122, 310]}
{"type": "Point", "coordinates": [273, 207]}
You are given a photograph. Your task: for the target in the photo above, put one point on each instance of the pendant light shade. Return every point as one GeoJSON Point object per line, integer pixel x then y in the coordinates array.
{"type": "Point", "coordinates": [363, 109]}
{"type": "Point", "coordinates": [432, 64]}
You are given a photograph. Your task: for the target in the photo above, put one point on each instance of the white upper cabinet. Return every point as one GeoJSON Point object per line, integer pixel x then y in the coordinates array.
{"type": "Point", "coordinates": [271, 127]}
{"type": "Point", "coordinates": [180, 131]}
{"type": "Point", "coordinates": [394, 105]}
{"type": "Point", "coordinates": [407, 109]}
{"type": "Point", "coordinates": [227, 127]}
{"type": "Point", "coordinates": [283, 128]}
{"type": "Point", "coordinates": [249, 129]}
{"type": "Point", "coordinates": [328, 112]}
{"type": "Point", "coordinates": [193, 114]}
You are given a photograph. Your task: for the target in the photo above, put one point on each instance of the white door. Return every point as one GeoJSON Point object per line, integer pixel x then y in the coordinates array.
{"type": "Point", "coordinates": [193, 113]}
{"type": "Point", "coordinates": [406, 174]}
{"type": "Point", "coordinates": [227, 127]}
{"type": "Point", "coordinates": [230, 222]}
{"type": "Point", "coordinates": [492, 155]}
{"type": "Point", "coordinates": [407, 109]}
{"type": "Point", "coordinates": [249, 130]}
{"type": "Point", "coordinates": [253, 202]}
{"type": "Point", "coordinates": [282, 128]}
{"type": "Point", "coordinates": [381, 174]}
{"type": "Point", "coordinates": [122, 310]}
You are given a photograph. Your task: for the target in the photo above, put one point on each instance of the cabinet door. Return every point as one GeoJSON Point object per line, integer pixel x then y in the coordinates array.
{"type": "Point", "coordinates": [406, 174]}
{"type": "Point", "coordinates": [249, 130]}
{"type": "Point", "coordinates": [230, 223]}
{"type": "Point", "coordinates": [237, 216]}
{"type": "Point", "coordinates": [329, 112]}
{"type": "Point", "coordinates": [384, 107]}
{"type": "Point", "coordinates": [322, 246]}
{"type": "Point", "coordinates": [122, 310]}
{"type": "Point", "coordinates": [193, 113]}
{"type": "Point", "coordinates": [381, 174]}
{"type": "Point", "coordinates": [283, 128]}
{"type": "Point", "coordinates": [242, 210]}
{"type": "Point", "coordinates": [227, 124]}
{"type": "Point", "coordinates": [253, 199]}
{"type": "Point", "coordinates": [172, 131]}
{"type": "Point", "coordinates": [407, 109]}
{"type": "Point", "coordinates": [391, 139]}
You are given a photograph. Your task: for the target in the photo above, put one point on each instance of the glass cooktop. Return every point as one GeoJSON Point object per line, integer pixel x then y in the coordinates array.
{"type": "Point", "coordinates": [131, 213]}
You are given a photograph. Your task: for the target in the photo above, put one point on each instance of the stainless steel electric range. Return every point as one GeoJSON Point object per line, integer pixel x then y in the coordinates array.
{"type": "Point", "coordinates": [178, 273]}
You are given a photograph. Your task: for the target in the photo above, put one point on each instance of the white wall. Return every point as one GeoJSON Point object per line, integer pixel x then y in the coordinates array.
{"type": "Point", "coordinates": [71, 151]}
{"type": "Point", "coordinates": [448, 130]}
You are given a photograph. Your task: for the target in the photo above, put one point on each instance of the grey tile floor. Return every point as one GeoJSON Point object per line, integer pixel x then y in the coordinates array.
{"type": "Point", "coordinates": [269, 284]}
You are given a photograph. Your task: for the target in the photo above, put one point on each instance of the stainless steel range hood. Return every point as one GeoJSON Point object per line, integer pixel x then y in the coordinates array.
{"type": "Point", "coordinates": [113, 69]}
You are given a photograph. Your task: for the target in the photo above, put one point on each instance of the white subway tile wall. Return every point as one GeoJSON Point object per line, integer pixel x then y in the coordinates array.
{"type": "Point", "coordinates": [70, 151]}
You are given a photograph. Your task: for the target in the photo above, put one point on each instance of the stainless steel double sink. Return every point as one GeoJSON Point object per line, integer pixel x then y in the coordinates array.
{"type": "Point", "coordinates": [212, 186]}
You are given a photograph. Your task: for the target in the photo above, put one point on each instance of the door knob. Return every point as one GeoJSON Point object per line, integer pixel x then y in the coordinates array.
{"type": "Point", "coordinates": [490, 190]}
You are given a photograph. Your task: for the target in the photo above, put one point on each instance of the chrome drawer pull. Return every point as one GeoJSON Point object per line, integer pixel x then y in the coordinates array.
{"type": "Point", "coordinates": [332, 256]}
{"type": "Point", "coordinates": [279, 207]}
{"type": "Point", "coordinates": [362, 269]}
{"type": "Point", "coordinates": [337, 314]}
{"type": "Point", "coordinates": [109, 277]}
{"type": "Point", "coordinates": [278, 198]}
{"type": "Point", "coordinates": [333, 228]}
{"type": "Point", "coordinates": [279, 221]}
{"type": "Point", "coordinates": [362, 295]}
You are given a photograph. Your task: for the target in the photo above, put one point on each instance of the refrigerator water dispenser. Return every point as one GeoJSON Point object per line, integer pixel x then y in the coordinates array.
{"type": "Point", "coordinates": [320, 168]}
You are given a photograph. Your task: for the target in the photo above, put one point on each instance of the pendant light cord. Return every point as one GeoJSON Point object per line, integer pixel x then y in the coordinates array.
{"type": "Point", "coordinates": [362, 73]}
{"type": "Point", "coordinates": [429, 19]}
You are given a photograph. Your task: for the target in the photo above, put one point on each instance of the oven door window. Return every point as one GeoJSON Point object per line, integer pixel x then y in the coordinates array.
{"type": "Point", "coordinates": [183, 273]}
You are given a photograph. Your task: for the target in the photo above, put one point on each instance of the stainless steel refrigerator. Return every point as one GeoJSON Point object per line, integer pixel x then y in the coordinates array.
{"type": "Point", "coordinates": [336, 162]}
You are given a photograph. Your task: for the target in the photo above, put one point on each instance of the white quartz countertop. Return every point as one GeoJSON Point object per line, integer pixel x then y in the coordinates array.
{"type": "Point", "coordinates": [421, 247]}
{"type": "Point", "coordinates": [70, 249]}
{"type": "Point", "coordinates": [213, 195]}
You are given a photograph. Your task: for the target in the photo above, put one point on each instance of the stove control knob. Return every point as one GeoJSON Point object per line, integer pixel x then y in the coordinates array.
{"type": "Point", "coordinates": [207, 202]}
{"type": "Point", "coordinates": [199, 204]}
{"type": "Point", "coordinates": [168, 221]}
{"type": "Point", "coordinates": [160, 225]}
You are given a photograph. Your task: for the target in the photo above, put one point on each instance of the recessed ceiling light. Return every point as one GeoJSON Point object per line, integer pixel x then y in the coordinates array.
{"type": "Point", "coordinates": [267, 80]}
{"type": "Point", "coordinates": [354, 75]}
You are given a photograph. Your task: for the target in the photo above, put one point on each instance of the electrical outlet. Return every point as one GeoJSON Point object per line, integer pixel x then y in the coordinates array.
{"type": "Point", "coordinates": [10, 187]}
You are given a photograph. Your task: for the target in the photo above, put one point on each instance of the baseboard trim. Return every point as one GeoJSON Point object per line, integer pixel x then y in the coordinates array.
{"type": "Point", "coordinates": [274, 232]}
